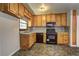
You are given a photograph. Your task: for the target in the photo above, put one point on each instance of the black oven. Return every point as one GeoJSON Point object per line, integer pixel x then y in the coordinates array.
{"type": "Point", "coordinates": [51, 35]}
{"type": "Point", "coordinates": [51, 38]}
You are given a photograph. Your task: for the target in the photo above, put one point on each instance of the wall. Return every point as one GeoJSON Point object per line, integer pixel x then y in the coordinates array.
{"type": "Point", "coordinates": [77, 28]}
{"type": "Point", "coordinates": [0, 47]}
{"type": "Point", "coordinates": [71, 28]}
{"type": "Point", "coordinates": [9, 32]}
{"type": "Point", "coordinates": [68, 18]}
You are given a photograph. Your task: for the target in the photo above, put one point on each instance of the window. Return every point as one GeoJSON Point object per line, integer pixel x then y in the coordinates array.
{"type": "Point", "coordinates": [23, 24]}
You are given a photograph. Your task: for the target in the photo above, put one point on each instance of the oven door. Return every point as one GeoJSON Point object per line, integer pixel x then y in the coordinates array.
{"type": "Point", "coordinates": [51, 38]}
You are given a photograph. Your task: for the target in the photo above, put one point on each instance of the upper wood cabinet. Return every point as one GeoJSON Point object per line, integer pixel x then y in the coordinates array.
{"type": "Point", "coordinates": [10, 8]}
{"type": "Point", "coordinates": [53, 19]}
{"type": "Point", "coordinates": [43, 20]}
{"type": "Point", "coordinates": [34, 21]}
{"type": "Point", "coordinates": [13, 7]}
{"type": "Point", "coordinates": [0, 6]}
{"type": "Point", "coordinates": [58, 19]}
{"type": "Point", "coordinates": [27, 14]}
{"type": "Point", "coordinates": [48, 18]}
{"type": "Point", "coordinates": [21, 10]}
{"type": "Point", "coordinates": [63, 19]}
{"type": "Point", "coordinates": [39, 22]}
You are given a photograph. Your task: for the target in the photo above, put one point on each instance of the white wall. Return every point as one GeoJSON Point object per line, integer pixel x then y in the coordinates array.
{"type": "Point", "coordinates": [77, 27]}
{"type": "Point", "coordinates": [71, 28]}
{"type": "Point", "coordinates": [69, 24]}
{"type": "Point", "coordinates": [68, 18]}
{"type": "Point", "coordinates": [0, 47]}
{"type": "Point", "coordinates": [9, 34]}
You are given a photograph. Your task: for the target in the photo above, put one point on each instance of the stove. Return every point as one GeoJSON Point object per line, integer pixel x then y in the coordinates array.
{"type": "Point", "coordinates": [51, 35]}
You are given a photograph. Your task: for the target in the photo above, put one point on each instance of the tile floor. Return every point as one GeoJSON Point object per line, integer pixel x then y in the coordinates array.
{"type": "Point", "coordinates": [40, 49]}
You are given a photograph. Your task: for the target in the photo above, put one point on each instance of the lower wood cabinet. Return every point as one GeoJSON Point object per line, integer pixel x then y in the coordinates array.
{"type": "Point", "coordinates": [63, 38]}
{"type": "Point", "coordinates": [44, 37]}
{"type": "Point", "coordinates": [27, 40]}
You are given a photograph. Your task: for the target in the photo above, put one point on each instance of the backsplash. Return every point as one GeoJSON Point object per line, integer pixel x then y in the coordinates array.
{"type": "Point", "coordinates": [43, 29]}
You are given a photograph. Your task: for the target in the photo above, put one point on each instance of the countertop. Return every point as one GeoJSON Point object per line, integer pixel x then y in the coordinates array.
{"type": "Point", "coordinates": [42, 30]}
{"type": "Point", "coordinates": [23, 32]}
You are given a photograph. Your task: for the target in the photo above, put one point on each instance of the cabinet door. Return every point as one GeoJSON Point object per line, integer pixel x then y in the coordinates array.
{"type": "Point", "coordinates": [24, 41]}
{"type": "Point", "coordinates": [43, 20]}
{"type": "Point", "coordinates": [66, 38]}
{"type": "Point", "coordinates": [39, 23]}
{"type": "Point", "coordinates": [64, 19]}
{"type": "Point", "coordinates": [21, 10]}
{"type": "Point", "coordinates": [34, 37]}
{"type": "Point", "coordinates": [53, 19]}
{"type": "Point", "coordinates": [58, 19]}
{"type": "Point", "coordinates": [60, 39]}
{"type": "Point", "coordinates": [34, 20]}
{"type": "Point", "coordinates": [44, 37]}
{"type": "Point", "coordinates": [13, 7]}
{"type": "Point", "coordinates": [25, 13]}
{"type": "Point", "coordinates": [0, 6]}
{"type": "Point", "coordinates": [29, 23]}
{"type": "Point", "coordinates": [48, 18]}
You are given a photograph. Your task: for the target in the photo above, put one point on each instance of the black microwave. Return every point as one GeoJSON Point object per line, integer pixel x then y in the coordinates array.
{"type": "Point", "coordinates": [50, 24]}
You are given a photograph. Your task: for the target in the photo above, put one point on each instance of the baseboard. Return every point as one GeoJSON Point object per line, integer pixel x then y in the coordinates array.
{"type": "Point", "coordinates": [14, 51]}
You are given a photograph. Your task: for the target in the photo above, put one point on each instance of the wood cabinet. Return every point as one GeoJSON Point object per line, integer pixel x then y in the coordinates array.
{"type": "Point", "coordinates": [24, 39]}
{"type": "Point", "coordinates": [48, 18]}
{"type": "Point", "coordinates": [66, 38]}
{"type": "Point", "coordinates": [58, 19]}
{"type": "Point", "coordinates": [53, 18]}
{"type": "Point", "coordinates": [32, 39]}
{"type": "Point", "coordinates": [27, 40]}
{"type": "Point", "coordinates": [21, 10]}
{"type": "Point", "coordinates": [10, 8]}
{"type": "Point", "coordinates": [63, 38]}
{"type": "Point", "coordinates": [60, 38]}
{"type": "Point", "coordinates": [0, 6]}
{"type": "Point", "coordinates": [74, 26]}
{"type": "Point", "coordinates": [63, 19]}
{"type": "Point", "coordinates": [13, 7]}
{"type": "Point", "coordinates": [39, 23]}
{"type": "Point", "coordinates": [27, 14]}
{"type": "Point", "coordinates": [37, 20]}
{"type": "Point", "coordinates": [34, 21]}
{"type": "Point", "coordinates": [43, 20]}
{"type": "Point", "coordinates": [44, 37]}
{"type": "Point", "coordinates": [29, 23]}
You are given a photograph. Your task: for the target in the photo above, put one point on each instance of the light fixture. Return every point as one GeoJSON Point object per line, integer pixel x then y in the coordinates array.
{"type": "Point", "coordinates": [43, 8]}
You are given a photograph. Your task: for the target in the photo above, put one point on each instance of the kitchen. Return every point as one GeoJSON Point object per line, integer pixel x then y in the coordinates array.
{"type": "Point", "coordinates": [38, 26]}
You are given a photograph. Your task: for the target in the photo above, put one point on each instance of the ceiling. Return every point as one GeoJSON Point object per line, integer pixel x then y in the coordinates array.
{"type": "Point", "coordinates": [52, 7]}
